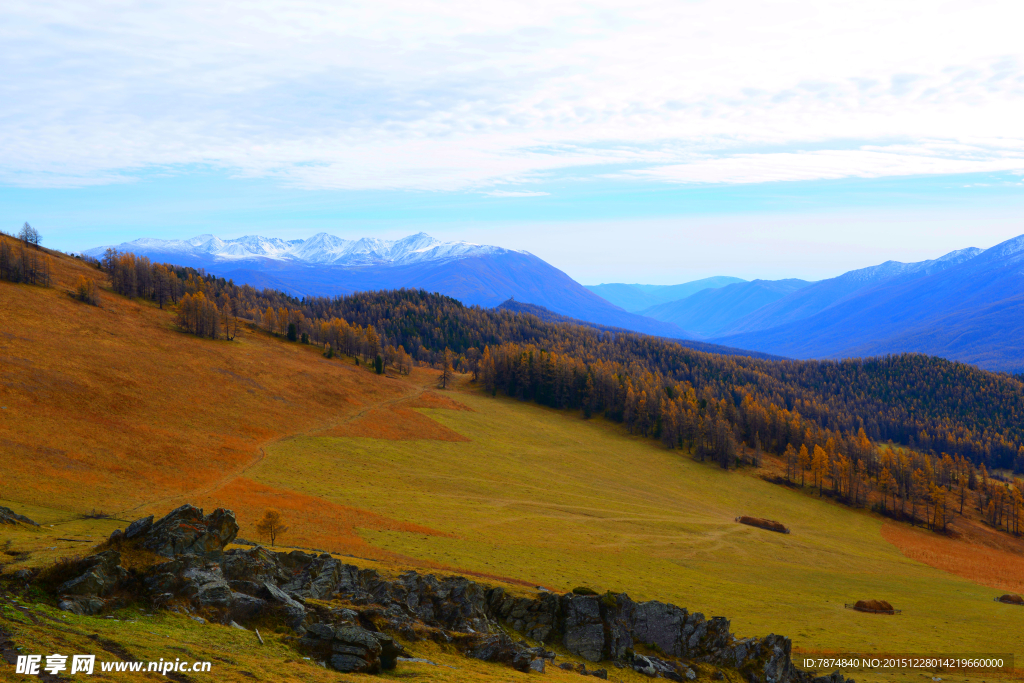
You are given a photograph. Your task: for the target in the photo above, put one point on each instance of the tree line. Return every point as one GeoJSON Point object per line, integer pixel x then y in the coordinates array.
{"type": "Point", "coordinates": [22, 259]}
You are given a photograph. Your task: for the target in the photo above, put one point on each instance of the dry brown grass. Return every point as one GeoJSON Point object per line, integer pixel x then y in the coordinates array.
{"type": "Point", "coordinates": [995, 567]}
{"type": "Point", "coordinates": [430, 399]}
{"type": "Point", "coordinates": [312, 522]}
{"type": "Point", "coordinates": [112, 407]}
{"type": "Point", "coordinates": [395, 422]}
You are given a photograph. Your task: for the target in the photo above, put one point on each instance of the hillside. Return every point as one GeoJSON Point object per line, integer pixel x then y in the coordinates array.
{"type": "Point", "coordinates": [112, 409]}
{"type": "Point", "coordinates": [635, 298]}
{"type": "Point", "coordinates": [710, 311]}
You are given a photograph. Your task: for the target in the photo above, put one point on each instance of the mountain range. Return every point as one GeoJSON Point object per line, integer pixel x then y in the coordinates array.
{"type": "Point", "coordinates": [325, 265]}
{"type": "Point", "coordinates": [635, 298]}
{"type": "Point", "coordinates": [967, 305]}
{"type": "Point", "coordinates": [711, 311]}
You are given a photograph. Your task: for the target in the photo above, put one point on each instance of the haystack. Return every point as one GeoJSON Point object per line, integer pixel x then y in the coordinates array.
{"type": "Point", "coordinates": [872, 606]}
{"type": "Point", "coordinates": [768, 524]}
{"type": "Point", "coordinates": [1011, 599]}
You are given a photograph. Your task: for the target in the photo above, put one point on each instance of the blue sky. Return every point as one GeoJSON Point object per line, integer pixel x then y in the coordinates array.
{"type": "Point", "coordinates": [645, 141]}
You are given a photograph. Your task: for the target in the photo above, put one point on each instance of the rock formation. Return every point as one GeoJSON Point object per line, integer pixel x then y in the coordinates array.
{"type": "Point", "coordinates": [343, 615]}
{"type": "Point", "coordinates": [9, 516]}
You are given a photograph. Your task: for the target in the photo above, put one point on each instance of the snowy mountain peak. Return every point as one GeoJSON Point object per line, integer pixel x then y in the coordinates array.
{"type": "Point", "coordinates": [321, 249]}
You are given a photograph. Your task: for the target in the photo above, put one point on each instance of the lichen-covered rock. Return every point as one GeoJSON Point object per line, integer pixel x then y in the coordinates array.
{"type": "Point", "coordinates": [138, 527]}
{"type": "Point", "coordinates": [584, 628]}
{"type": "Point", "coordinates": [102, 574]}
{"type": "Point", "coordinates": [351, 649]}
{"type": "Point", "coordinates": [655, 623]}
{"type": "Point", "coordinates": [82, 605]}
{"type": "Point", "coordinates": [254, 565]}
{"type": "Point", "coordinates": [206, 586]}
{"type": "Point", "coordinates": [187, 531]}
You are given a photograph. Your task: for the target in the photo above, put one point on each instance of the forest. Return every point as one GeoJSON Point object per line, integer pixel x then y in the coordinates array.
{"type": "Point", "coordinates": [841, 423]}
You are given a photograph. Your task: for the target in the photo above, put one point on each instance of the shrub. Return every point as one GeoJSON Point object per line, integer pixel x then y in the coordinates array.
{"type": "Point", "coordinates": [583, 590]}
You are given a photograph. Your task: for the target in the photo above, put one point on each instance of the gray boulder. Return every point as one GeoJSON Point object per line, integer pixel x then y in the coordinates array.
{"type": "Point", "coordinates": [351, 649]}
{"type": "Point", "coordinates": [102, 574]}
{"type": "Point", "coordinates": [584, 628]}
{"type": "Point", "coordinates": [82, 605]}
{"type": "Point", "coordinates": [138, 527]}
{"type": "Point", "coordinates": [293, 612]}
{"type": "Point", "coordinates": [206, 586]}
{"type": "Point", "coordinates": [187, 531]}
{"type": "Point", "coordinates": [655, 623]}
{"type": "Point", "coordinates": [9, 516]}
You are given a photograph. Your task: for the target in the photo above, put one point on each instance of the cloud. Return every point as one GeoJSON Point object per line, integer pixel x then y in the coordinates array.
{"type": "Point", "coordinates": [507, 193]}
{"type": "Point", "coordinates": [459, 96]}
{"type": "Point", "coordinates": [829, 165]}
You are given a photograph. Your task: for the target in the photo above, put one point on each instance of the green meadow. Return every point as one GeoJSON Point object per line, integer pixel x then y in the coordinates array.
{"type": "Point", "coordinates": [548, 497]}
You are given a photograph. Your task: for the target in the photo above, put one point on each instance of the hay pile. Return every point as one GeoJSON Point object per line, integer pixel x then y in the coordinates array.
{"type": "Point", "coordinates": [763, 524]}
{"type": "Point", "coordinates": [873, 606]}
{"type": "Point", "coordinates": [1011, 599]}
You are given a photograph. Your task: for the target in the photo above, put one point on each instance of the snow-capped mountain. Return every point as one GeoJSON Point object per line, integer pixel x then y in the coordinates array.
{"type": "Point", "coordinates": [327, 265]}
{"type": "Point", "coordinates": [320, 249]}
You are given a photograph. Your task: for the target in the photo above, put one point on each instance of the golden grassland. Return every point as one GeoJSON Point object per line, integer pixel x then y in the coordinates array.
{"type": "Point", "coordinates": [112, 409]}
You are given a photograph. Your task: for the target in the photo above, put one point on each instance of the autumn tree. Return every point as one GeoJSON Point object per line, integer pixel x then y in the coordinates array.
{"type": "Point", "coordinates": [447, 371]}
{"type": "Point", "coordinates": [228, 321]}
{"type": "Point", "coordinates": [86, 290]}
{"type": "Point", "coordinates": [804, 460]}
{"type": "Point", "coordinates": [819, 465]}
{"type": "Point", "coordinates": [271, 525]}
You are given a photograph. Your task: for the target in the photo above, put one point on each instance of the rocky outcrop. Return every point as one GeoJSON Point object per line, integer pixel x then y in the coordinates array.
{"type": "Point", "coordinates": [350, 648]}
{"type": "Point", "coordinates": [305, 591]}
{"type": "Point", "coordinates": [186, 531]}
{"type": "Point", "coordinates": [9, 516]}
{"type": "Point", "coordinates": [101, 575]}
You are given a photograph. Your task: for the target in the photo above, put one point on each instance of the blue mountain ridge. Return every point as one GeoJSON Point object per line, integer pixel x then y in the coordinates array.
{"type": "Point", "coordinates": [968, 306]}
{"type": "Point", "coordinates": [634, 298]}
{"type": "Point", "coordinates": [710, 311]}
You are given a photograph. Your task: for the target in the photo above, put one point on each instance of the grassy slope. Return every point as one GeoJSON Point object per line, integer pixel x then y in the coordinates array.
{"type": "Point", "coordinates": [551, 498]}
{"type": "Point", "coordinates": [110, 408]}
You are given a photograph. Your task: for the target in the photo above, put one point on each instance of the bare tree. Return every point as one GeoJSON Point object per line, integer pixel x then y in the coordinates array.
{"type": "Point", "coordinates": [30, 235]}
{"type": "Point", "coordinates": [447, 370]}
{"type": "Point", "coordinates": [271, 525]}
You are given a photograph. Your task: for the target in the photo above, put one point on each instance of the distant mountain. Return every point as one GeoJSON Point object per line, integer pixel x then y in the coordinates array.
{"type": "Point", "coordinates": [824, 293]}
{"type": "Point", "coordinates": [710, 311]}
{"type": "Point", "coordinates": [551, 317]}
{"type": "Point", "coordinates": [967, 306]}
{"type": "Point", "coordinates": [320, 249]}
{"type": "Point", "coordinates": [635, 298]}
{"type": "Point", "coordinates": [325, 265]}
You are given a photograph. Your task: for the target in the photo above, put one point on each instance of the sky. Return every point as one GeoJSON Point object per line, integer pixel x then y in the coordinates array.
{"type": "Point", "coordinates": [645, 141]}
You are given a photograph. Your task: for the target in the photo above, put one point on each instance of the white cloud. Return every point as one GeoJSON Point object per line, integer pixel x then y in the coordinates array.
{"type": "Point", "coordinates": [458, 95]}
